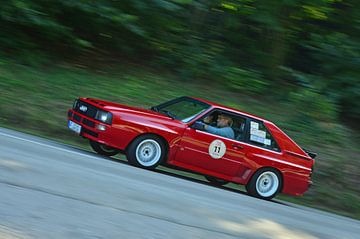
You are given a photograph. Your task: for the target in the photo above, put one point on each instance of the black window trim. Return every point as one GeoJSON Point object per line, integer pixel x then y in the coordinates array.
{"type": "Point", "coordinates": [247, 134]}
{"type": "Point", "coordinates": [170, 102]}
{"type": "Point", "coordinates": [229, 113]}
{"type": "Point", "coordinates": [156, 108]}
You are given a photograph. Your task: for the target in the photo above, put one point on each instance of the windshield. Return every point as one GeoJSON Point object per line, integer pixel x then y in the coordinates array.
{"type": "Point", "coordinates": [184, 108]}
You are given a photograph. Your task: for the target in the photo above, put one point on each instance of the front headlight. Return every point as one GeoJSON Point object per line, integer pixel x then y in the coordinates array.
{"type": "Point", "coordinates": [104, 116]}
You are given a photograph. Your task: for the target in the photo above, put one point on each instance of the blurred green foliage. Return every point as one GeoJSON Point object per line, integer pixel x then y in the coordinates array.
{"type": "Point", "coordinates": [311, 107]}
{"type": "Point", "coordinates": [273, 47]}
{"type": "Point", "coordinates": [242, 80]}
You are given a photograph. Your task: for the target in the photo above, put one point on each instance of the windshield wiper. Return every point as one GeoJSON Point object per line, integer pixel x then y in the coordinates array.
{"type": "Point", "coordinates": [168, 113]}
{"type": "Point", "coordinates": [154, 108]}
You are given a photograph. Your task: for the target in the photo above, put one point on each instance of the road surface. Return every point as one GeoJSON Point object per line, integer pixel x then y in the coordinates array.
{"type": "Point", "coordinates": [49, 190]}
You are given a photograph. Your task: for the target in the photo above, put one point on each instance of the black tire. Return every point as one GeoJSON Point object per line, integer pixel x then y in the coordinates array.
{"type": "Point", "coordinates": [266, 183]}
{"type": "Point", "coordinates": [146, 151]}
{"type": "Point", "coordinates": [215, 181]}
{"type": "Point", "coordinates": [103, 149]}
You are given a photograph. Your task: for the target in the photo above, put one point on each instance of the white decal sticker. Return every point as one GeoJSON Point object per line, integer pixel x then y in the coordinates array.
{"type": "Point", "coordinates": [254, 125]}
{"type": "Point", "coordinates": [257, 139]}
{"type": "Point", "coordinates": [267, 142]}
{"type": "Point", "coordinates": [217, 149]}
{"type": "Point", "coordinates": [259, 133]}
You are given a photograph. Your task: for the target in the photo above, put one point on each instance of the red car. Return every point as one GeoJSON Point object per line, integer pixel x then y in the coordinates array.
{"type": "Point", "coordinates": [224, 144]}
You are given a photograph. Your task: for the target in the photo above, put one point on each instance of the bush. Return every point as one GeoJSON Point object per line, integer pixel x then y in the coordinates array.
{"type": "Point", "coordinates": [310, 106]}
{"type": "Point", "coordinates": [246, 81]}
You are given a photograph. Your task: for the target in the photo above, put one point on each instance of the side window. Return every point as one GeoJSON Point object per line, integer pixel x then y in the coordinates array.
{"type": "Point", "coordinates": [260, 136]}
{"type": "Point", "coordinates": [239, 128]}
{"type": "Point", "coordinates": [225, 124]}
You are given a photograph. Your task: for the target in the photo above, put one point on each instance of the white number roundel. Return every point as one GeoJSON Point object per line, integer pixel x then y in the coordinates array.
{"type": "Point", "coordinates": [217, 149]}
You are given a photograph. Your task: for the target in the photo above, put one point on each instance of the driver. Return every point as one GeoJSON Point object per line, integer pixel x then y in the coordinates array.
{"type": "Point", "coordinates": [223, 127]}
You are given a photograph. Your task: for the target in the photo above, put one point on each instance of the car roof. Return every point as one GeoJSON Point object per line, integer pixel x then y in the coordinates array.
{"type": "Point", "coordinates": [233, 110]}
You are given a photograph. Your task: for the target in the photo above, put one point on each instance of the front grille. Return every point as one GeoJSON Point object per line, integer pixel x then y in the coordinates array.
{"type": "Point", "coordinates": [86, 109]}
{"type": "Point", "coordinates": [89, 123]}
{"type": "Point", "coordinates": [77, 118]}
{"type": "Point", "coordinates": [89, 132]}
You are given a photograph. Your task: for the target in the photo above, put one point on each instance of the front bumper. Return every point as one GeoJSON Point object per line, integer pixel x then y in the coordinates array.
{"type": "Point", "coordinates": [89, 127]}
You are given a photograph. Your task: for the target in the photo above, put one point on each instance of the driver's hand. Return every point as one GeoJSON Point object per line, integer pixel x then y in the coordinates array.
{"type": "Point", "coordinates": [199, 125]}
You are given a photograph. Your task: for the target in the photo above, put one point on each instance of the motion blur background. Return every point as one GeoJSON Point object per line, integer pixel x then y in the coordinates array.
{"type": "Point", "coordinates": [294, 62]}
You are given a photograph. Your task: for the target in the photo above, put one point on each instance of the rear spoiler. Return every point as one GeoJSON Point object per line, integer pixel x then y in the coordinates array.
{"type": "Point", "coordinates": [311, 154]}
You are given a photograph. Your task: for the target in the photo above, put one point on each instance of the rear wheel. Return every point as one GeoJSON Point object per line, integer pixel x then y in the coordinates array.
{"type": "Point", "coordinates": [146, 151]}
{"type": "Point", "coordinates": [103, 149]}
{"type": "Point", "coordinates": [216, 181]}
{"type": "Point", "coordinates": [266, 183]}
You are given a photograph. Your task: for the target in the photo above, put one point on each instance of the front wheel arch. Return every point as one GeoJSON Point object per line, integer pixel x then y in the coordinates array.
{"type": "Point", "coordinates": [130, 147]}
{"type": "Point", "coordinates": [165, 142]}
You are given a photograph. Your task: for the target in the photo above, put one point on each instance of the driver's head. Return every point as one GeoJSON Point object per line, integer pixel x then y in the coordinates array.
{"type": "Point", "coordinates": [208, 119]}
{"type": "Point", "coordinates": [224, 121]}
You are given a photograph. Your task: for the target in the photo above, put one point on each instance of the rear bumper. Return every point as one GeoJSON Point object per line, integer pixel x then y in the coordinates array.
{"type": "Point", "coordinates": [295, 184]}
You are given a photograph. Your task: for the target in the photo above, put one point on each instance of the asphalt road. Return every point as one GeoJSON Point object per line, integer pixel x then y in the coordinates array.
{"type": "Point", "coordinates": [48, 190]}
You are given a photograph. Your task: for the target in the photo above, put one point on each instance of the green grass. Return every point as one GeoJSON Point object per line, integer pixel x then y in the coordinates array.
{"type": "Point", "coordinates": [35, 100]}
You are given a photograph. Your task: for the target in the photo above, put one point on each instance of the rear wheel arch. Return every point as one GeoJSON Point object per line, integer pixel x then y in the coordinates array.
{"type": "Point", "coordinates": [268, 167]}
{"type": "Point", "coordinates": [253, 178]}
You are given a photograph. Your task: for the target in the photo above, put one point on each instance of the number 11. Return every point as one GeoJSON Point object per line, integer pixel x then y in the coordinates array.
{"type": "Point", "coordinates": [217, 149]}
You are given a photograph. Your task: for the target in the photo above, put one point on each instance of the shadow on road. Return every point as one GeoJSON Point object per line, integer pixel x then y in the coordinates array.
{"type": "Point", "coordinates": [174, 171]}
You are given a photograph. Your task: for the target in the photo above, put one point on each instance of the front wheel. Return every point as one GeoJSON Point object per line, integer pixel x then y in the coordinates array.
{"type": "Point", "coordinates": [103, 149]}
{"type": "Point", "coordinates": [146, 151]}
{"type": "Point", "coordinates": [266, 183]}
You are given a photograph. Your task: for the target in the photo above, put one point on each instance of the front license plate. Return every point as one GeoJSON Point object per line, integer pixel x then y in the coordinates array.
{"type": "Point", "coordinates": [74, 127]}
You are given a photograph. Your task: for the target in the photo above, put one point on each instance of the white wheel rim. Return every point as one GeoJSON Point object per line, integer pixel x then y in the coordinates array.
{"type": "Point", "coordinates": [267, 184]}
{"type": "Point", "coordinates": [106, 148]}
{"type": "Point", "coordinates": [148, 152]}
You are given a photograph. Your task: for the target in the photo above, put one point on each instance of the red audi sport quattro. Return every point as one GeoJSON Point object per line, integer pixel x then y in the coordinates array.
{"type": "Point", "coordinates": [224, 144]}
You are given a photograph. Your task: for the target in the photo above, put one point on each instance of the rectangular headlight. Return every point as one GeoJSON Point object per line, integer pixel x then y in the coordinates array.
{"type": "Point", "coordinates": [104, 116]}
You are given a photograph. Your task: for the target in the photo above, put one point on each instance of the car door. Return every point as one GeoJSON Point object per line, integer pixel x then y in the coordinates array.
{"type": "Point", "coordinates": [210, 154]}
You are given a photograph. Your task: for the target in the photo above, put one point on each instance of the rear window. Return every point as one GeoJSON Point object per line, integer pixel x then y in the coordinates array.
{"type": "Point", "coordinates": [260, 136]}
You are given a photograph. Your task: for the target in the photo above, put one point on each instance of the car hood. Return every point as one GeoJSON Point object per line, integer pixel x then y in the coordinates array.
{"type": "Point", "coordinates": [116, 107]}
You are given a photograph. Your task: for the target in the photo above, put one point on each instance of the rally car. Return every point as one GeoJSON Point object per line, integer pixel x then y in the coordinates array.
{"type": "Point", "coordinates": [222, 143]}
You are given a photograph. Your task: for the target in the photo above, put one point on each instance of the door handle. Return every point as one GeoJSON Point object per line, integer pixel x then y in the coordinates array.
{"type": "Point", "coordinates": [237, 146]}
